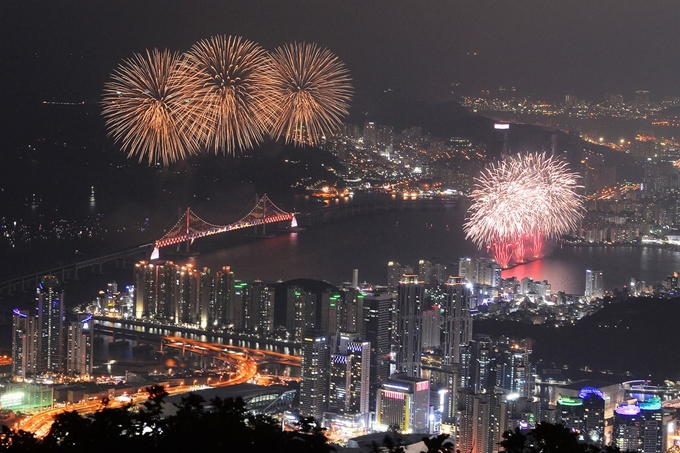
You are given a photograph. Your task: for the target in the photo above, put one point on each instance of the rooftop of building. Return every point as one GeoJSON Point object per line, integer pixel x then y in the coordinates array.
{"type": "Point", "coordinates": [578, 385]}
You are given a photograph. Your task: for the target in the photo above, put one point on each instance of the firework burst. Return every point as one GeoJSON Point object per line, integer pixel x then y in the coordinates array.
{"type": "Point", "coordinates": [313, 89]}
{"type": "Point", "coordinates": [233, 81]}
{"type": "Point", "coordinates": [145, 108]}
{"type": "Point", "coordinates": [522, 199]}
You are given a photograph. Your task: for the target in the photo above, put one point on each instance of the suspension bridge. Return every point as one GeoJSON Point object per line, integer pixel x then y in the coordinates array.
{"type": "Point", "coordinates": [190, 226]}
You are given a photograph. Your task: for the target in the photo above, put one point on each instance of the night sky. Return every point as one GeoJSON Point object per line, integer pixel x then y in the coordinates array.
{"type": "Point", "coordinates": [66, 50]}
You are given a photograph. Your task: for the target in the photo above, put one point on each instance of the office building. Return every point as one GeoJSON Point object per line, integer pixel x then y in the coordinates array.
{"type": "Point", "coordinates": [639, 427]}
{"type": "Point", "coordinates": [628, 426]}
{"type": "Point", "coordinates": [403, 402]}
{"type": "Point", "coordinates": [652, 425]}
{"type": "Point", "coordinates": [598, 401]}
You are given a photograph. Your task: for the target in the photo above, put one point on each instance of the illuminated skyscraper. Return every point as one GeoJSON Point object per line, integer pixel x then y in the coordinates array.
{"type": "Point", "coordinates": [457, 319]}
{"type": "Point", "coordinates": [314, 374]}
{"type": "Point", "coordinates": [155, 286]}
{"type": "Point", "coordinates": [50, 309]}
{"type": "Point", "coordinates": [425, 271]}
{"type": "Point", "coordinates": [224, 296]}
{"type": "Point", "coordinates": [594, 284]}
{"type": "Point", "coordinates": [24, 344]}
{"type": "Point", "coordinates": [410, 295]}
{"type": "Point", "coordinates": [432, 320]}
{"type": "Point", "coordinates": [468, 268]}
{"type": "Point", "coordinates": [515, 371]}
{"type": "Point", "coordinates": [350, 310]}
{"type": "Point", "coordinates": [79, 336]}
{"type": "Point", "coordinates": [376, 329]}
{"type": "Point", "coordinates": [263, 307]}
{"type": "Point", "coordinates": [483, 421]}
{"type": "Point", "coordinates": [652, 429]}
{"type": "Point", "coordinates": [169, 292]}
{"type": "Point", "coordinates": [192, 295]}
{"type": "Point", "coordinates": [38, 336]}
{"type": "Point", "coordinates": [350, 378]}
{"type": "Point", "coordinates": [477, 374]}
{"type": "Point", "coordinates": [394, 273]}
{"type": "Point", "coordinates": [240, 311]}
{"type": "Point", "coordinates": [404, 402]}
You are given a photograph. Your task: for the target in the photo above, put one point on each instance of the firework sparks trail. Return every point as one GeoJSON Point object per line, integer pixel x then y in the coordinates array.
{"type": "Point", "coordinates": [145, 108]}
{"type": "Point", "coordinates": [536, 243]}
{"type": "Point", "coordinates": [314, 91]}
{"type": "Point", "coordinates": [523, 196]}
{"type": "Point", "coordinates": [236, 101]}
{"type": "Point", "coordinates": [225, 94]}
{"type": "Point", "coordinates": [519, 251]}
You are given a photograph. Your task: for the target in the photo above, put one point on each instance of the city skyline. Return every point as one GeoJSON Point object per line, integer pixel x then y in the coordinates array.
{"type": "Point", "coordinates": [381, 278]}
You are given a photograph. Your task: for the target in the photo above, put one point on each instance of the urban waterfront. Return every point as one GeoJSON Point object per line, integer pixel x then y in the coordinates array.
{"type": "Point", "coordinates": [368, 242]}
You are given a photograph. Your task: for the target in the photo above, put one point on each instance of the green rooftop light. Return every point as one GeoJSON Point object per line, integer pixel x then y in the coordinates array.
{"type": "Point", "coordinates": [568, 401]}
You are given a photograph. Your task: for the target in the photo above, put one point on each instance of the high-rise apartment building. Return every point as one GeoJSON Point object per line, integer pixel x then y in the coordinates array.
{"type": "Point", "coordinates": [25, 344]}
{"type": "Point", "coordinates": [515, 371]}
{"type": "Point", "coordinates": [224, 297]}
{"type": "Point", "coordinates": [263, 307]}
{"type": "Point", "coordinates": [377, 330]}
{"type": "Point", "coordinates": [349, 380]}
{"type": "Point", "coordinates": [172, 293]}
{"type": "Point", "coordinates": [484, 419]}
{"type": "Point", "coordinates": [410, 299]}
{"type": "Point", "coordinates": [432, 320]}
{"type": "Point", "coordinates": [50, 309]}
{"type": "Point", "coordinates": [155, 285]}
{"type": "Point", "coordinates": [594, 284]}
{"type": "Point", "coordinates": [457, 319]}
{"type": "Point", "coordinates": [394, 273]}
{"type": "Point", "coordinates": [79, 343]}
{"type": "Point", "coordinates": [314, 374]}
{"type": "Point", "coordinates": [42, 340]}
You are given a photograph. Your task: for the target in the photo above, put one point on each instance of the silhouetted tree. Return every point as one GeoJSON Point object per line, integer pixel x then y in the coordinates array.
{"type": "Point", "coordinates": [436, 444]}
{"type": "Point", "coordinates": [515, 442]}
{"type": "Point", "coordinates": [221, 425]}
{"type": "Point", "coordinates": [548, 438]}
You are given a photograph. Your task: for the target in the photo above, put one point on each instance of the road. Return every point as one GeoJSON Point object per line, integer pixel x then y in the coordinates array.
{"type": "Point", "coordinates": [243, 360]}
